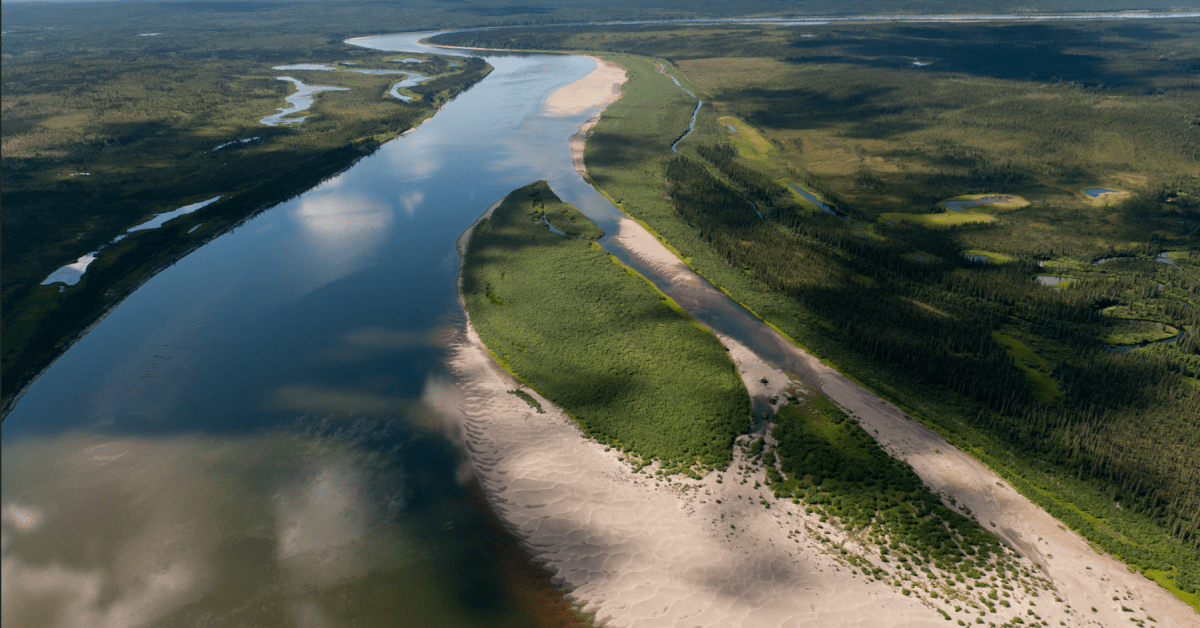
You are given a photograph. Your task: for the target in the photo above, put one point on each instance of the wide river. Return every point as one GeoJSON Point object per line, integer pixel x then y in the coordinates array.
{"type": "Point", "coordinates": [248, 438]}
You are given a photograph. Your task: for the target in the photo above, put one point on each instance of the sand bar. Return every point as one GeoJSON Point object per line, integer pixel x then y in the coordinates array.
{"type": "Point", "coordinates": [1082, 577]}
{"type": "Point", "coordinates": [601, 87]}
{"type": "Point", "coordinates": [639, 550]}
{"type": "Point", "coordinates": [643, 552]}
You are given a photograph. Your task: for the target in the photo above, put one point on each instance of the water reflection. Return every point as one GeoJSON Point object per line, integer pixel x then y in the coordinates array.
{"type": "Point", "coordinates": [132, 532]}
{"type": "Point", "coordinates": [248, 438]}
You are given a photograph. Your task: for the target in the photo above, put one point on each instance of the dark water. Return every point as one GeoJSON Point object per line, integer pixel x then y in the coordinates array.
{"type": "Point", "coordinates": [251, 438]}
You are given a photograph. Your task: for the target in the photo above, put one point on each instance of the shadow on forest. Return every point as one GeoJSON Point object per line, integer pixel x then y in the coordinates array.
{"type": "Point", "coordinates": [1036, 52]}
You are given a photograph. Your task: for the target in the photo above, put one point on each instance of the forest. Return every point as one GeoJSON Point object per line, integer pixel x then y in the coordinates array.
{"type": "Point", "coordinates": [98, 136]}
{"type": "Point", "coordinates": [1031, 336]}
{"type": "Point", "coordinates": [599, 340]}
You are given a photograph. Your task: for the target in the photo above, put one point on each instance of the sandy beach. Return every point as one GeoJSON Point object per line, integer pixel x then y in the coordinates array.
{"type": "Point", "coordinates": [643, 550]}
{"type": "Point", "coordinates": [1082, 577]}
{"type": "Point", "coordinates": [638, 549]}
{"type": "Point", "coordinates": [601, 87]}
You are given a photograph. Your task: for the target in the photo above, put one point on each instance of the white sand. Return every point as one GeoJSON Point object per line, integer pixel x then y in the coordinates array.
{"type": "Point", "coordinates": [600, 87]}
{"type": "Point", "coordinates": [1082, 577]}
{"type": "Point", "coordinates": [640, 551]}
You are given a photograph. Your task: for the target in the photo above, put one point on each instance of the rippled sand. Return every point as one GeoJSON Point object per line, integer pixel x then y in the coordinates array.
{"type": "Point", "coordinates": [641, 552]}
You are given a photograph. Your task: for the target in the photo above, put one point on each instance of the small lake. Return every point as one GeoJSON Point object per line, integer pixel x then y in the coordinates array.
{"type": "Point", "coordinates": [815, 201]}
{"type": "Point", "coordinates": [976, 202]}
{"type": "Point", "coordinates": [1051, 280]}
{"type": "Point", "coordinates": [1095, 192]}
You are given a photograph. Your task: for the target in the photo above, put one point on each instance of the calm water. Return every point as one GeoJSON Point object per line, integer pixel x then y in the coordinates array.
{"type": "Point", "coordinates": [250, 438]}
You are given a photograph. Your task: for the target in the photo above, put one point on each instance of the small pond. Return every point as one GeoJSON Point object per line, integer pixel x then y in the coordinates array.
{"type": "Point", "coordinates": [1096, 192]}
{"type": "Point", "coordinates": [975, 202]}
{"type": "Point", "coordinates": [1053, 280]}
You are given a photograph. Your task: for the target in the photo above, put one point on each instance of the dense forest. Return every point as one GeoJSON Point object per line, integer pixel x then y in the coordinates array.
{"type": "Point", "coordinates": [597, 339]}
{"type": "Point", "coordinates": [1067, 390]}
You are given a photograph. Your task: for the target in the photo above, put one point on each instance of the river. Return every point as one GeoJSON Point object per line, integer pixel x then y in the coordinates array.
{"type": "Point", "coordinates": [250, 436]}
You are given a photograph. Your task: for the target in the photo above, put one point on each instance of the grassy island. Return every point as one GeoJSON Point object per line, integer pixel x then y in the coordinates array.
{"type": "Point", "coordinates": [916, 279]}
{"type": "Point", "coordinates": [595, 338]}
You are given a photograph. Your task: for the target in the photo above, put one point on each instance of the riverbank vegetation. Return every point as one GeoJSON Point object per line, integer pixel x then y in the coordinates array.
{"type": "Point", "coordinates": [886, 121]}
{"type": "Point", "coordinates": [923, 545]}
{"type": "Point", "coordinates": [597, 339]}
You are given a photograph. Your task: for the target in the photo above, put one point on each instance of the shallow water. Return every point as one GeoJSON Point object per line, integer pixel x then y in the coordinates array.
{"type": "Point", "coordinates": [412, 79]}
{"type": "Point", "coordinates": [1052, 280]}
{"type": "Point", "coordinates": [1094, 192]}
{"type": "Point", "coordinates": [297, 102]}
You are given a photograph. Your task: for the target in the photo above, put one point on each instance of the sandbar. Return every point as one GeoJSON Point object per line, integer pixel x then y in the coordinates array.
{"type": "Point", "coordinates": [642, 550]}
{"type": "Point", "coordinates": [601, 87]}
{"type": "Point", "coordinates": [1083, 578]}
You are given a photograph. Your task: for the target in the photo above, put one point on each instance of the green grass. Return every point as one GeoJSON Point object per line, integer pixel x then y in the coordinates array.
{"type": "Point", "coordinates": [1036, 369]}
{"type": "Point", "coordinates": [1167, 581]}
{"type": "Point", "coordinates": [748, 141]}
{"type": "Point", "coordinates": [527, 398]}
{"type": "Point", "coordinates": [943, 220]}
{"type": "Point", "coordinates": [596, 339]}
{"type": "Point", "coordinates": [1012, 203]}
{"type": "Point", "coordinates": [994, 257]}
{"type": "Point", "coordinates": [1137, 332]}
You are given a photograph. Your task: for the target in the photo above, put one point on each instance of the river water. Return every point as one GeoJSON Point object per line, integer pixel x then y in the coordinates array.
{"type": "Point", "coordinates": [251, 436]}
{"type": "Point", "coordinates": [248, 438]}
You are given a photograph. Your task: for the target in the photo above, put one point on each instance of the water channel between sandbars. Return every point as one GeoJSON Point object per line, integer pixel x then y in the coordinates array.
{"type": "Point", "coordinates": [250, 436]}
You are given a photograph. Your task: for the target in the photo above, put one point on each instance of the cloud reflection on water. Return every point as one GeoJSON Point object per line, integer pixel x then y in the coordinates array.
{"type": "Point", "coordinates": [136, 532]}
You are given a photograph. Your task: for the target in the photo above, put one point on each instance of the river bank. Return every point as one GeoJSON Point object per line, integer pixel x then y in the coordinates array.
{"type": "Point", "coordinates": [639, 549]}
{"type": "Point", "coordinates": [1083, 578]}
